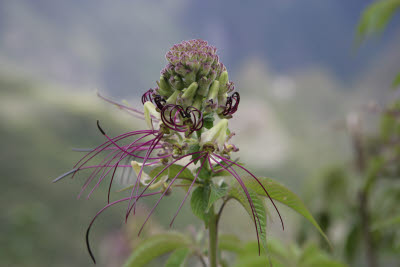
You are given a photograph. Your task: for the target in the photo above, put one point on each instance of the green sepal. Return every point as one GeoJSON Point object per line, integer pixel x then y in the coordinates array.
{"type": "Point", "coordinates": [223, 80]}
{"type": "Point", "coordinates": [189, 93]}
{"type": "Point", "coordinates": [164, 85]}
{"type": "Point", "coordinates": [204, 84]}
{"type": "Point", "coordinates": [213, 92]}
{"type": "Point", "coordinates": [173, 97]}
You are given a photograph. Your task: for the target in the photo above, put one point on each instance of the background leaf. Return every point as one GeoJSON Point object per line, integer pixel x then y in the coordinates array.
{"type": "Point", "coordinates": [396, 81]}
{"type": "Point", "coordinates": [177, 258]}
{"type": "Point", "coordinates": [375, 18]}
{"type": "Point", "coordinates": [230, 243]}
{"type": "Point", "coordinates": [154, 247]}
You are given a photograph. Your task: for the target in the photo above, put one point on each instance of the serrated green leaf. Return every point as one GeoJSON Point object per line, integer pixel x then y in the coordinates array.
{"type": "Point", "coordinates": [154, 247]}
{"type": "Point", "coordinates": [375, 17]}
{"type": "Point", "coordinates": [177, 258]}
{"type": "Point", "coordinates": [199, 203]}
{"type": "Point", "coordinates": [282, 194]}
{"type": "Point", "coordinates": [237, 193]}
{"type": "Point", "coordinates": [229, 243]}
{"type": "Point", "coordinates": [216, 193]}
{"type": "Point", "coordinates": [172, 171]}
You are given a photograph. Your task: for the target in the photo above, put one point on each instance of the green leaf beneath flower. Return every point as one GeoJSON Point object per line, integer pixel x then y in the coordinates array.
{"type": "Point", "coordinates": [237, 193]}
{"type": "Point", "coordinates": [154, 247]}
{"type": "Point", "coordinates": [199, 203]}
{"type": "Point", "coordinates": [216, 193]}
{"type": "Point", "coordinates": [282, 194]}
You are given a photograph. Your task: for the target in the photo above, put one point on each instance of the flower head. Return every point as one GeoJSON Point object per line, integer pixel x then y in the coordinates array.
{"type": "Point", "coordinates": [187, 119]}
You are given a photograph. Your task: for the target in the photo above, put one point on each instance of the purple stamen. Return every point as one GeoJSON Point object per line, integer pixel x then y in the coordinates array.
{"type": "Point", "coordinates": [148, 96]}
{"type": "Point", "coordinates": [130, 110]}
{"type": "Point", "coordinates": [231, 108]}
{"type": "Point", "coordinates": [108, 143]}
{"type": "Point", "coordinates": [173, 116]}
{"type": "Point", "coordinates": [95, 172]}
{"type": "Point", "coordinates": [154, 143]}
{"type": "Point", "coordinates": [101, 211]}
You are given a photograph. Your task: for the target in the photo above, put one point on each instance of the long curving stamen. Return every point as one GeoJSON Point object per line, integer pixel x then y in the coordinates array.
{"type": "Point", "coordinates": [258, 181]}
{"type": "Point", "coordinates": [136, 187]}
{"type": "Point", "coordinates": [115, 144]}
{"type": "Point", "coordinates": [101, 211]}
{"type": "Point", "coordinates": [105, 145]}
{"type": "Point", "coordinates": [122, 156]}
{"type": "Point", "coordinates": [96, 172]}
{"type": "Point", "coordinates": [135, 147]}
{"type": "Point", "coordinates": [132, 111]}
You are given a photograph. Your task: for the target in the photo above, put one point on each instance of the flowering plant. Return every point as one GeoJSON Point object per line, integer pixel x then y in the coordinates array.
{"type": "Point", "coordinates": [187, 117]}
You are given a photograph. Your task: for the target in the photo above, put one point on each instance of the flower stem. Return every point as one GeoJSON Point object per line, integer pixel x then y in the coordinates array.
{"type": "Point", "coordinates": [213, 239]}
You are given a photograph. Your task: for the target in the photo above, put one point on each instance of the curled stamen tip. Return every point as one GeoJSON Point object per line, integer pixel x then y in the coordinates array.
{"type": "Point", "coordinates": [100, 129]}
{"type": "Point", "coordinates": [64, 175]}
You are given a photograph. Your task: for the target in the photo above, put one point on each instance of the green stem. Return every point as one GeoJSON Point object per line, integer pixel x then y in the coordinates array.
{"type": "Point", "coordinates": [213, 239]}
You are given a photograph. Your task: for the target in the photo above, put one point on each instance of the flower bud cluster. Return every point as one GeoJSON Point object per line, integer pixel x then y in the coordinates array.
{"type": "Point", "coordinates": [194, 76]}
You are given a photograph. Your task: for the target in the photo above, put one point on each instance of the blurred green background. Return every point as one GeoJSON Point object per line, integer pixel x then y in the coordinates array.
{"type": "Point", "coordinates": [293, 62]}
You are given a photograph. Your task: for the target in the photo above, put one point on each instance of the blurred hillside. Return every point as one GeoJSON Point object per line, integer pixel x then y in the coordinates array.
{"type": "Point", "coordinates": [119, 46]}
{"type": "Point", "coordinates": [42, 223]}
